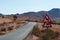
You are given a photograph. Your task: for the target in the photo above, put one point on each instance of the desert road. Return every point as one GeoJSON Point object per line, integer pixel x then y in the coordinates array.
{"type": "Point", "coordinates": [20, 33]}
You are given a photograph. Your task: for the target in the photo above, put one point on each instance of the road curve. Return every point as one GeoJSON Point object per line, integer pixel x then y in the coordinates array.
{"type": "Point", "coordinates": [20, 33]}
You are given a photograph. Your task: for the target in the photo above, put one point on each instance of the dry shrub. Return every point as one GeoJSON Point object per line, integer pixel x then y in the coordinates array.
{"type": "Point", "coordinates": [50, 34]}
{"type": "Point", "coordinates": [36, 31]}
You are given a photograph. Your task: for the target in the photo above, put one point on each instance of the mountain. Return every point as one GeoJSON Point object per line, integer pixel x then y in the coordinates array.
{"type": "Point", "coordinates": [53, 13]}
{"type": "Point", "coordinates": [37, 15]}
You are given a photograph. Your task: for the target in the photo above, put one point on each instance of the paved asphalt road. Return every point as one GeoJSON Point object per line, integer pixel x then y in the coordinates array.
{"type": "Point", "coordinates": [20, 33]}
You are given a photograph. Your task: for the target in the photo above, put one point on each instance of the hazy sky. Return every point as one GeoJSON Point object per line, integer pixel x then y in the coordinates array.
{"type": "Point", "coordinates": [21, 6]}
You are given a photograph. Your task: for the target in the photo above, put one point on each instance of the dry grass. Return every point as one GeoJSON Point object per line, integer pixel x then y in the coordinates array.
{"type": "Point", "coordinates": [39, 33]}
{"type": "Point", "coordinates": [9, 24]}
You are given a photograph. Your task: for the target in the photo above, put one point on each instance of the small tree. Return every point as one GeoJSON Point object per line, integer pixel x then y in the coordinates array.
{"type": "Point", "coordinates": [2, 16]}
{"type": "Point", "coordinates": [14, 17]}
{"type": "Point", "coordinates": [17, 13]}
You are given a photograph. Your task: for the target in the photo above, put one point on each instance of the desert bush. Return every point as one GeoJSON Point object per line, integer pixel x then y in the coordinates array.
{"type": "Point", "coordinates": [10, 28]}
{"type": "Point", "coordinates": [36, 31]}
{"type": "Point", "coordinates": [14, 17]}
{"type": "Point", "coordinates": [2, 16]}
{"type": "Point", "coordinates": [3, 29]}
{"type": "Point", "coordinates": [45, 37]}
{"type": "Point", "coordinates": [50, 34]}
{"type": "Point", "coordinates": [56, 23]}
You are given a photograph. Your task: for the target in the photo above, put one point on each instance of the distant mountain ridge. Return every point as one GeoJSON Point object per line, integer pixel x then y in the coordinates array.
{"type": "Point", "coordinates": [53, 13]}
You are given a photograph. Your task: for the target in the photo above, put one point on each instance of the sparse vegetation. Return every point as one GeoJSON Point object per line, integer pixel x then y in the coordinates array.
{"type": "Point", "coordinates": [10, 28]}
{"type": "Point", "coordinates": [46, 34]}
{"type": "Point", "coordinates": [56, 23]}
{"type": "Point", "coordinates": [8, 24]}
{"type": "Point", "coordinates": [2, 16]}
{"type": "Point", "coordinates": [49, 34]}
{"type": "Point", "coordinates": [3, 29]}
{"type": "Point", "coordinates": [36, 31]}
{"type": "Point", "coordinates": [15, 17]}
